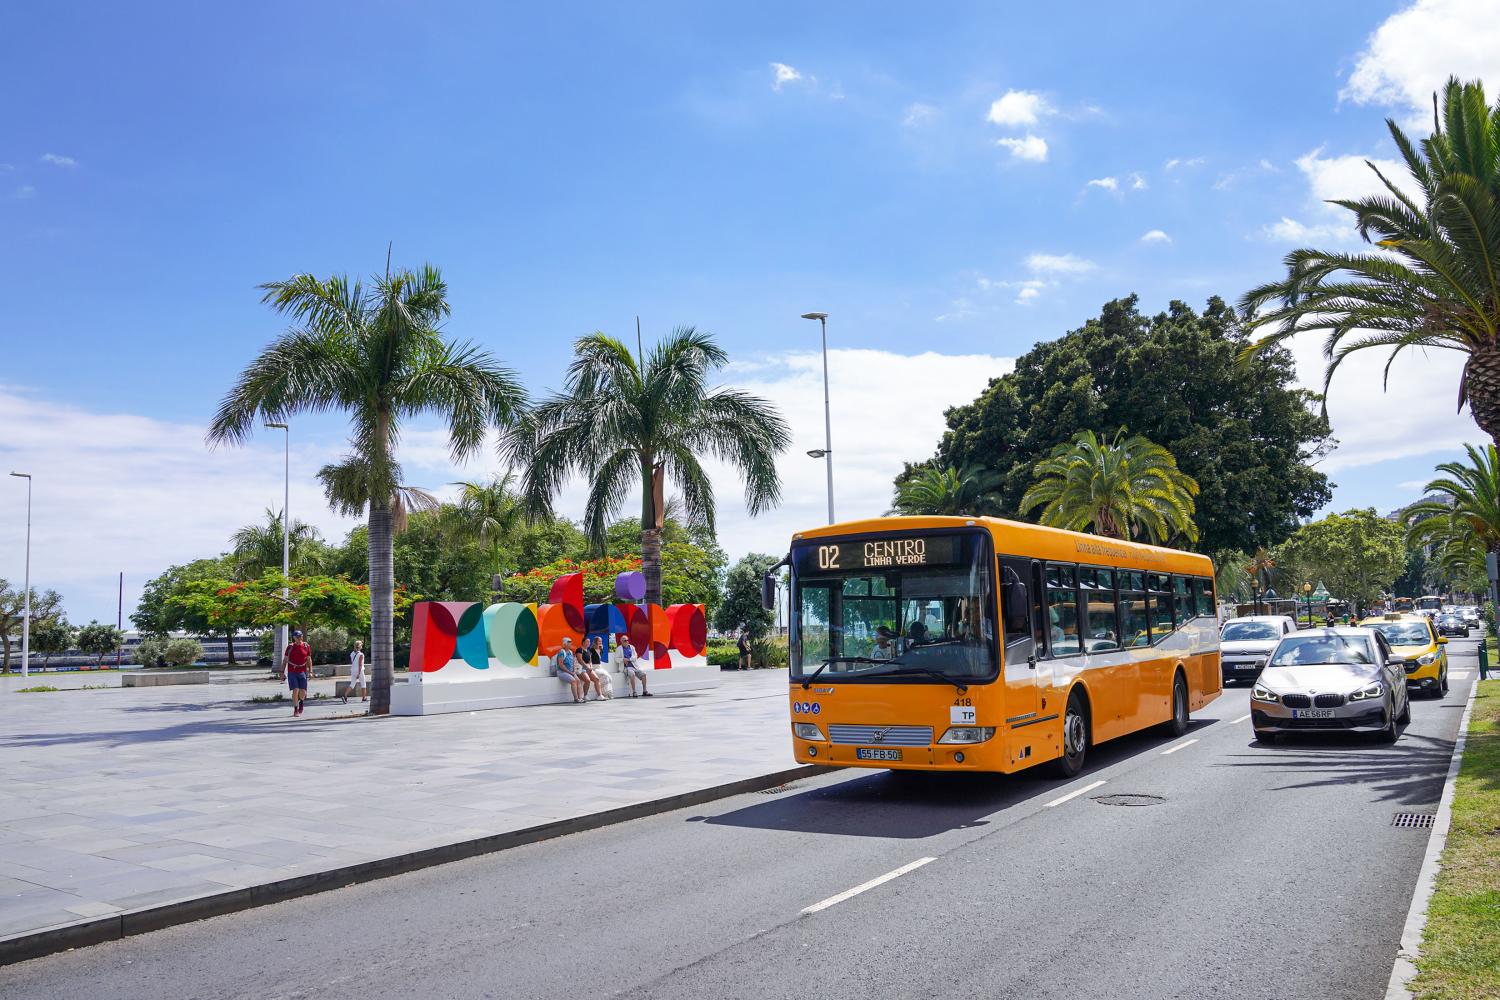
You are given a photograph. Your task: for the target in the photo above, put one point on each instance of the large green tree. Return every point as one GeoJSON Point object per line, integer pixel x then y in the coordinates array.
{"type": "Point", "coordinates": [378, 354]}
{"type": "Point", "coordinates": [1245, 433]}
{"type": "Point", "coordinates": [256, 548]}
{"type": "Point", "coordinates": [627, 423]}
{"type": "Point", "coordinates": [1126, 487]}
{"type": "Point", "coordinates": [1434, 281]}
{"type": "Point", "coordinates": [1460, 509]}
{"type": "Point", "coordinates": [741, 605]}
{"type": "Point", "coordinates": [1356, 554]}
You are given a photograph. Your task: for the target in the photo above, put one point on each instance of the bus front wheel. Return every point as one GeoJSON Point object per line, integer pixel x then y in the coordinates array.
{"type": "Point", "coordinates": [1075, 738]}
{"type": "Point", "coordinates": [1178, 724]}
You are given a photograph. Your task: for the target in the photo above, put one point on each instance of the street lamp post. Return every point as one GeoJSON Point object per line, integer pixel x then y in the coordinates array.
{"type": "Point", "coordinates": [826, 452]}
{"type": "Point", "coordinates": [286, 537]}
{"type": "Point", "coordinates": [26, 584]}
{"type": "Point", "coordinates": [1307, 598]}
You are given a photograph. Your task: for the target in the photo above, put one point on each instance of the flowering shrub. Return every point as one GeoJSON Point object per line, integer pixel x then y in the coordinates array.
{"type": "Point", "coordinates": [533, 586]}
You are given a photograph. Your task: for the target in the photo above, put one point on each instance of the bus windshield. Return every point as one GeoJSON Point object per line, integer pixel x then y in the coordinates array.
{"type": "Point", "coordinates": [894, 607]}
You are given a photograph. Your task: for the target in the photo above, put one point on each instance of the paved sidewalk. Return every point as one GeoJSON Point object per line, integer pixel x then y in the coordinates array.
{"type": "Point", "coordinates": [114, 800]}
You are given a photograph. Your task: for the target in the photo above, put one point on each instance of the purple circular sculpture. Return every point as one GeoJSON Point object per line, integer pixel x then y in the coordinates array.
{"type": "Point", "coordinates": [630, 587]}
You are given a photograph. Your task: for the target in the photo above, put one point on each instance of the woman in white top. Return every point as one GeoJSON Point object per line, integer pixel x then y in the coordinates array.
{"type": "Point", "coordinates": [357, 672]}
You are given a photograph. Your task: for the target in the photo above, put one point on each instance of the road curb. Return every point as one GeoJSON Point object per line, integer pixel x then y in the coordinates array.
{"type": "Point", "coordinates": [50, 940]}
{"type": "Point", "coordinates": [1405, 968]}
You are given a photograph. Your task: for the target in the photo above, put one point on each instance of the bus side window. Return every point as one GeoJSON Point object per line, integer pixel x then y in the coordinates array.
{"type": "Point", "coordinates": [1205, 596]}
{"type": "Point", "coordinates": [1183, 594]}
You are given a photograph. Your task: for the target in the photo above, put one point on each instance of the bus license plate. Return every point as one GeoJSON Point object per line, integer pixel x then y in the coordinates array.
{"type": "Point", "coordinates": [864, 753]}
{"type": "Point", "coordinates": [1312, 713]}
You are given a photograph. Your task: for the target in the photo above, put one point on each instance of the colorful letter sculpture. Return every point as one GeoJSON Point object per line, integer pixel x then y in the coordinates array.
{"type": "Point", "coordinates": [516, 635]}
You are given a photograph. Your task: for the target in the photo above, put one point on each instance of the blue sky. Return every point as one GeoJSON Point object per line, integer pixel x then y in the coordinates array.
{"type": "Point", "coordinates": [951, 185]}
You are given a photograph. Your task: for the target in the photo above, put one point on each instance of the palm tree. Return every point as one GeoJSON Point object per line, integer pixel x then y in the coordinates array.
{"type": "Point", "coordinates": [628, 423]}
{"type": "Point", "coordinates": [1459, 513]}
{"type": "Point", "coordinates": [256, 548]}
{"type": "Point", "coordinates": [1435, 279]}
{"type": "Point", "coordinates": [490, 512]}
{"type": "Point", "coordinates": [1123, 488]}
{"type": "Point", "coordinates": [947, 490]}
{"type": "Point", "coordinates": [378, 354]}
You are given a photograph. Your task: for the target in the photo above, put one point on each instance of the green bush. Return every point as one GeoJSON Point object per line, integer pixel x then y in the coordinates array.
{"type": "Point", "coordinates": [770, 651]}
{"type": "Point", "coordinates": [723, 653]}
{"type": "Point", "coordinates": [265, 644]}
{"type": "Point", "coordinates": [146, 652]}
{"type": "Point", "coordinates": [329, 645]}
{"type": "Point", "coordinates": [181, 652]}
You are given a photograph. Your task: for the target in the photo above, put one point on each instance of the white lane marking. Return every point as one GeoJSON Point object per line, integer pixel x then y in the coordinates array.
{"type": "Point", "coordinates": [1181, 746]}
{"type": "Point", "coordinates": [1240, 719]}
{"type": "Point", "coordinates": [1459, 675]}
{"type": "Point", "coordinates": [1073, 794]}
{"type": "Point", "coordinates": [848, 893]}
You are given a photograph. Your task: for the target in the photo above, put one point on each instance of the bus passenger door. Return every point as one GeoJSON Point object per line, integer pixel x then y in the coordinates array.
{"type": "Point", "coordinates": [1023, 614]}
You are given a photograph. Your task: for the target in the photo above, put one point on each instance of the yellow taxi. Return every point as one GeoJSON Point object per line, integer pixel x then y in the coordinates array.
{"type": "Point", "coordinates": [1413, 638]}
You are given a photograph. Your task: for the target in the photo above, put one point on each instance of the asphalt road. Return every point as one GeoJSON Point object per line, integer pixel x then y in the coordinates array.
{"type": "Point", "coordinates": [1261, 872]}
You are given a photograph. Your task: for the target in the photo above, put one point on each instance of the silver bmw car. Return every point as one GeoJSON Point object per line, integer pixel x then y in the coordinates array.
{"type": "Point", "coordinates": [1331, 680]}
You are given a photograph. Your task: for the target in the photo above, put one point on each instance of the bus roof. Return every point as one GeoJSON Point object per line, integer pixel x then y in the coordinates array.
{"type": "Point", "coordinates": [1035, 540]}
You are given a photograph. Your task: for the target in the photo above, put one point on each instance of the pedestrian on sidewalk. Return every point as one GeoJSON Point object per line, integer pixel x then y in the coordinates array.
{"type": "Point", "coordinates": [633, 673]}
{"type": "Point", "coordinates": [357, 672]}
{"type": "Point", "coordinates": [744, 644]}
{"type": "Point", "coordinates": [295, 663]}
{"type": "Point", "coordinates": [568, 673]}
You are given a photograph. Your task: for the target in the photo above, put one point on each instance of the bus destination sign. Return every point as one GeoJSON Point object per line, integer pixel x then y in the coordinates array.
{"type": "Point", "coordinates": [878, 553]}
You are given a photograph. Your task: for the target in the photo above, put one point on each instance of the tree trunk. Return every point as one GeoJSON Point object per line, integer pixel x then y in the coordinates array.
{"type": "Point", "coordinates": [229, 646]}
{"type": "Point", "coordinates": [1482, 388]}
{"type": "Point", "coordinates": [651, 564]}
{"type": "Point", "coordinates": [382, 586]}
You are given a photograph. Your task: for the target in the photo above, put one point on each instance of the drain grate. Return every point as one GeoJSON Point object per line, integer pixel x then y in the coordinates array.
{"type": "Point", "coordinates": [1412, 819]}
{"type": "Point", "coordinates": [1129, 799]}
{"type": "Point", "coordinates": [777, 789]}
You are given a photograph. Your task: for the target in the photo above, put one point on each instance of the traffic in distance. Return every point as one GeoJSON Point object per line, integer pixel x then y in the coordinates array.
{"type": "Point", "coordinates": [981, 644]}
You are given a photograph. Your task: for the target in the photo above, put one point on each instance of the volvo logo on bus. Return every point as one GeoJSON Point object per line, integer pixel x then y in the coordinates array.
{"type": "Point", "coordinates": [879, 735]}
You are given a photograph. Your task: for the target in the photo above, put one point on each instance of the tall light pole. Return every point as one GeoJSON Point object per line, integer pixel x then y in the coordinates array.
{"type": "Point", "coordinates": [286, 537]}
{"type": "Point", "coordinates": [825, 452]}
{"type": "Point", "coordinates": [26, 621]}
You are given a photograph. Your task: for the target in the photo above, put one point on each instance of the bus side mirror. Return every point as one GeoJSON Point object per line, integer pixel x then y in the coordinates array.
{"type": "Point", "coordinates": [768, 591]}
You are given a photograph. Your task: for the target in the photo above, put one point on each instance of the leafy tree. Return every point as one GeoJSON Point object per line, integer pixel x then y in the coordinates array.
{"type": "Point", "coordinates": [1244, 433]}
{"type": "Point", "coordinates": [948, 491]}
{"type": "Point", "coordinates": [154, 615]}
{"type": "Point", "coordinates": [489, 513]}
{"type": "Point", "coordinates": [148, 651]}
{"type": "Point", "coordinates": [1125, 488]}
{"type": "Point", "coordinates": [1357, 554]}
{"type": "Point", "coordinates": [99, 640]}
{"type": "Point", "coordinates": [534, 585]}
{"type": "Point", "coordinates": [183, 652]}
{"type": "Point", "coordinates": [51, 635]}
{"type": "Point", "coordinates": [630, 424]}
{"type": "Point", "coordinates": [1460, 510]}
{"type": "Point", "coordinates": [44, 605]}
{"type": "Point", "coordinates": [741, 603]}
{"type": "Point", "coordinates": [1433, 281]}
{"type": "Point", "coordinates": [378, 354]}
{"type": "Point", "coordinates": [256, 548]}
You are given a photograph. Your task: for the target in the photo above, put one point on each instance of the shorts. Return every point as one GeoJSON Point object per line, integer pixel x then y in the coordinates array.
{"type": "Point", "coordinates": [296, 680]}
{"type": "Point", "coordinates": [565, 676]}
{"type": "Point", "coordinates": [631, 668]}
{"type": "Point", "coordinates": [357, 679]}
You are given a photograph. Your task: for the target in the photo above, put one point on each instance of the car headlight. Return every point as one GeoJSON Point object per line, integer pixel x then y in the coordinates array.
{"type": "Point", "coordinates": [1263, 693]}
{"type": "Point", "coordinates": [967, 734]}
{"type": "Point", "coordinates": [807, 731]}
{"type": "Point", "coordinates": [1428, 659]}
{"type": "Point", "coordinates": [1368, 691]}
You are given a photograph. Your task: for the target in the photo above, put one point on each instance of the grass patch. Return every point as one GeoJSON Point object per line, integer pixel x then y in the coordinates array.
{"type": "Point", "coordinates": [266, 699]}
{"type": "Point", "coordinates": [37, 689]}
{"type": "Point", "coordinates": [1461, 944]}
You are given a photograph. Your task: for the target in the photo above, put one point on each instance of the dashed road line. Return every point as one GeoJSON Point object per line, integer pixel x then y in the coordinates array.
{"type": "Point", "coordinates": [1073, 794]}
{"type": "Point", "coordinates": [1240, 719]}
{"type": "Point", "coordinates": [1181, 746]}
{"type": "Point", "coordinates": [1458, 675]}
{"type": "Point", "coordinates": [849, 893]}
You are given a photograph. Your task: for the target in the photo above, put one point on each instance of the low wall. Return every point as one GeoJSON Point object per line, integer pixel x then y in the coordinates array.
{"type": "Point", "coordinates": [513, 687]}
{"type": "Point", "coordinates": [160, 678]}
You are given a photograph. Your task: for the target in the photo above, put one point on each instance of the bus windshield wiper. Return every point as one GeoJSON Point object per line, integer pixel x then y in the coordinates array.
{"type": "Point", "coordinates": [838, 659]}
{"type": "Point", "coordinates": [937, 675]}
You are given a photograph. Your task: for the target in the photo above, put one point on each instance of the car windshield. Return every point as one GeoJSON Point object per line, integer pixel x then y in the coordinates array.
{"type": "Point", "coordinates": [1404, 633]}
{"type": "Point", "coordinates": [913, 604]}
{"type": "Point", "coordinates": [1249, 631]}
{"type": "Point", "coordinates": [1301, 650]}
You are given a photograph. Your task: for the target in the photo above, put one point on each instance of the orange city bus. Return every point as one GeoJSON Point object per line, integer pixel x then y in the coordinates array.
{"type": "Point", "coordinates": [978, 644]}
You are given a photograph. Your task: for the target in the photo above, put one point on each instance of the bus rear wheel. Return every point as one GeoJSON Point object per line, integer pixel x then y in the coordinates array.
{"type": "Point", "coordinates": [1075, 738]}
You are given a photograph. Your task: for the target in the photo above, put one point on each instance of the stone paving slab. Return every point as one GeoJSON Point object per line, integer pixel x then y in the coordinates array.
{"type": "Point", "coordinates": [117, 799]}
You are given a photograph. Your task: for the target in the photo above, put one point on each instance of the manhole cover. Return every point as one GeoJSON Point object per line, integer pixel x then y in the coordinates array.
{"type": "Point", "coordinates": [1129, 799]}
{"type": "Point", "coordinates": [1412, 819]}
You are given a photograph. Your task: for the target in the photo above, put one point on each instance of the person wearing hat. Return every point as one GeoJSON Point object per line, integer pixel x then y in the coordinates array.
{"type": "Point", "coordinates": [295, 663]}
{"type": "Point", "coordinates": [885, 644]}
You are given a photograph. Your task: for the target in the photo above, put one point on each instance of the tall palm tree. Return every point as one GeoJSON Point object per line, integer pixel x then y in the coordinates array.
{"type": "Point", "coordinates": [1459, 514]}
{"type": "Point", "coordinates": [1123, 488]}
{"type": "Point", "coordinates": [1435, 279]}
{"type": "Point", "coordinates": [490, 512]}
{"type": "Point", "coordinates": [946, 490]}
{"type": "Point", "coordinates": [378, 354]}
{"type": "Point", "coordinates": [628, 423]}
{"type": "Point", "coordinates": [256, 548]}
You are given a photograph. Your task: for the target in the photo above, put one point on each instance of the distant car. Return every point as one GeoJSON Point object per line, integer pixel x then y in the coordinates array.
{"type": "Point", "coordinates": [1245, 643]}
{"type": "Point", "coordinates": [1470, 616]}
{"type": "Point", "coordinates": [1331, 680]}
{"type": "Point", "coordinates": [1451, 625]}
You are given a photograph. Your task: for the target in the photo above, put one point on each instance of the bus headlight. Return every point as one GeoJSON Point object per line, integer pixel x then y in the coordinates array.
{"type": "Point", "coordinates": [967, 734]}
{"type": "Point", "coordinates": [807, 731]}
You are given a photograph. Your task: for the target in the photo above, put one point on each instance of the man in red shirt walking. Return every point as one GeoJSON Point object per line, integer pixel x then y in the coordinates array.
{"type": "Point", "coordinates": [295, 662]}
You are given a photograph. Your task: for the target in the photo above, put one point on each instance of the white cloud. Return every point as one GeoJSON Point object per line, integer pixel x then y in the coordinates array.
{"type": "Point", "coordinates": [919, 114]}
{"type": "Point", "coordinates": [1156, 236]}
{"type": "Point", "coordinates": [1415, 50]}
{"type": "Point", "coordinates": [1059, 264]}
{"type": "Point", "coordinates": [1351, 177]}
{"type": "Point", "coordinates": [1018, 107]}
{"type": "Point", "coordinates": [1032, 148]}
{"type": "Point", "coordinates": [1175, 163]}
{"type": "Point", "coordinates": [1289, 230]}
{"type": "Point", "coordinates": [24, 192]}
{"type": "Point", "coordinates": [1414, 485]}
{"type": "Point", "coordinates": [1137, 182]}
{"type": "Point", "coordinates": [1107, 183]}
{"type": "Point", "coordinates": [58, 160]}
{"type": "Point", "coordinates": [1028, 294]}
{"type": "Point", "coordinates": [783, 74]}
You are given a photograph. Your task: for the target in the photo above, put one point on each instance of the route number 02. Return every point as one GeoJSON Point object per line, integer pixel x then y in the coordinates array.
{"type": "Point", "coordinates": [828, 557]}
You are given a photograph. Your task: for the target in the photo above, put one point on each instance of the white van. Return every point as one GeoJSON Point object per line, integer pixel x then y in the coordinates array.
{"type": "Point", "coordinates": [1245, 643]}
